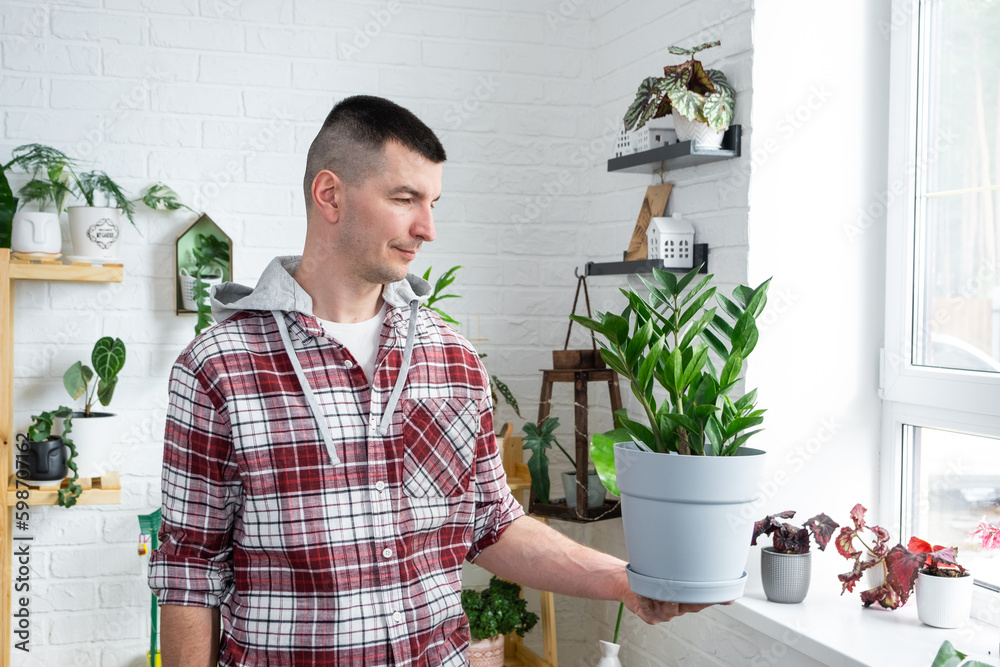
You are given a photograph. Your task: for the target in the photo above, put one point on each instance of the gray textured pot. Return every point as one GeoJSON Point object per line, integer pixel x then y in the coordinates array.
{"type": "Point", "coordinates": [785, 577]}
{"type": "Point", "coordinates": [669, 500]}
{"type": "Point", "coordinates": [595, 490]}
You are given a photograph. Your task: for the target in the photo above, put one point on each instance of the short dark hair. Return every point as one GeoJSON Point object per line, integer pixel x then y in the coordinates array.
{"type": "Point", "coordinates": [353, 137]}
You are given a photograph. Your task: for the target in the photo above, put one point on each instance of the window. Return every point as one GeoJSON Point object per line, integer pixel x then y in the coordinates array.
{"type": "Point", "coordinates": [941, 363]}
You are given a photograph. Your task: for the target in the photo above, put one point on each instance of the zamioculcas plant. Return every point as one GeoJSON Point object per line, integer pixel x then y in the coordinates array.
{"type": "Point", "coordinates": [108, 358]}
{"type": "Point", "coordinates": [667, 341]}
{"type": "Point", "coordinates": [698, 94]}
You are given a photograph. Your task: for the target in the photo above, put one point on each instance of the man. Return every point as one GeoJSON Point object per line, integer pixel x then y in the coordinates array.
{"type": "Point", "coordinates": [329, 456]}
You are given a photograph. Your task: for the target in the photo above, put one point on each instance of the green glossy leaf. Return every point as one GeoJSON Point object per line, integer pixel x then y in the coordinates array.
{"type": "Point", "coordinates": [730, 371]}
{"type": "Point", "coordinates": [697, 328]}
{"type": "Point", "coordinates": [75, 379]}
{"type": "Point", "coordinates": [616, 329]}
{"type": "Point", "coordinates": [741, 424]}
{"type": "Point", "coordinates": [505, 391]}
{"type": "Point", "coordinates": [729, 307]}
{"type": "Point", "coordinates": [713, 431]}
{"type": "Point", "coordinates": [738, 442]}
{"type": "Point", "coordinates": [695, 366]}
{"type": "Point", "coordinates": [106, 389]}
{"type": "Point", "coordinates": [538, 463]}
{"type": "Point", "coordinates": [645, 375]}
{"type": "Point", "coordinates": [667, 280]}
{"type": "Point", "coordinates": [637, 346]}
{"type": "Point", "coordinates": [602, 453]}
{"type": "Point", "coordinates": [697, 289]}
{"type": "Point", "coordinates": [108, 356]}
{"type": "Point", "coordinates": [696, 306]}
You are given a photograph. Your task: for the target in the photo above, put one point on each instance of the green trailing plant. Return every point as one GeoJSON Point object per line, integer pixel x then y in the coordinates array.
{"type": "Point", "coordinates": [698, 94]}
{"type": "Point", "coordinates": [671, 339]}
{"type": "Point", "coordinates": [438, 294]}
{"type": "Point", "coordinates": [539, 440]}
{"type": "Point", "coordinates": [498, 610]}
{"type": "Point", "coordinates": [41, 430]}
{"type": "Point", "coordinates": [108, 358]}
{"type": "Point", "coordinates": [211, 256]}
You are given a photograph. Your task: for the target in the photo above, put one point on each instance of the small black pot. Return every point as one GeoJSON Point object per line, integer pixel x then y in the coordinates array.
{"type": "Point", "coordinates": [46, 458]}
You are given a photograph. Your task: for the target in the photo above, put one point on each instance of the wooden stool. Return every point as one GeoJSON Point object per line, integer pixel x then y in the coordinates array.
{"type": "Point", "coordinates": [580, 378]}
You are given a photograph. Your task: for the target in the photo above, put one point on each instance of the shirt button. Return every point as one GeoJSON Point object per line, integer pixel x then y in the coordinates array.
{"type": "Point", "coordinates": [397, 616]}
{"type": "Point", "coordinates": [387, 552]}
{"type": "Point", "coordinates": [348, 364]}
{"type": "Point", "coordinates": [380, 485]}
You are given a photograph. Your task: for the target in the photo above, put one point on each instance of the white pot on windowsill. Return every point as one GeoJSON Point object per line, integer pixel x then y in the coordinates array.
{"type": "Point", "coordinates": [944, 602]}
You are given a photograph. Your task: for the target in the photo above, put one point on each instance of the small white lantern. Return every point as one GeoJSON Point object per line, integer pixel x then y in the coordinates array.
{"type": "Point", "coordinates": [671, 239]}
{"type": "Point", "coordinates": [624, 144]}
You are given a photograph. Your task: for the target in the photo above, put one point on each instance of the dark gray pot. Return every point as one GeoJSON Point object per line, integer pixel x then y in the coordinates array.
{"type": "Point", "coordinates": [786, 577]}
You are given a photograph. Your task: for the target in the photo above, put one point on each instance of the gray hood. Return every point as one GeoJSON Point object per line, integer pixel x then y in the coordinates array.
{"type": "Point", "coordinates": [278, 292]}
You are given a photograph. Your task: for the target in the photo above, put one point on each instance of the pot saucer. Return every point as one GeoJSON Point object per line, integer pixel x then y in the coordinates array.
{"type": "Point", "coordinates": [694, 592]}
{"type": "Point", "coordinates": [94, 260]}
{"type": "Point", "coordinates": [17, 254]}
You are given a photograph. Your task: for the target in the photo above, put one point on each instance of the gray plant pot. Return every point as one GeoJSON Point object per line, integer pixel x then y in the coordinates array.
{"type": "Point", "coordinates": [785, 577]}
{"type": "Point", "coordinates": [595, 490]}
{"type": "Point", "coordinates": [667, 496]}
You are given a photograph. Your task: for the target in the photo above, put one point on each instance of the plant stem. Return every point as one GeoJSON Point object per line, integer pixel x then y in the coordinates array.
{"type": "Point", "coordinates": [565, 453]}
{"type": "Point", "coordinates": [618, 625]}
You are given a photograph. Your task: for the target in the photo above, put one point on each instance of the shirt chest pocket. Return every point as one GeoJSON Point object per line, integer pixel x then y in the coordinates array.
{"type": "Point", "coordinates": [439, 444]}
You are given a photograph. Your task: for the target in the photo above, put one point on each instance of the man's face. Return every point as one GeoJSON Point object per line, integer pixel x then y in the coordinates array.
{"type": "Point", "coordinates": [388, 216]}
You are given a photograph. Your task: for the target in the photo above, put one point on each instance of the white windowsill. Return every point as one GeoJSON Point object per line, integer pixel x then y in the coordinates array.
{"type": "Point", "coordinates": [837, 630]}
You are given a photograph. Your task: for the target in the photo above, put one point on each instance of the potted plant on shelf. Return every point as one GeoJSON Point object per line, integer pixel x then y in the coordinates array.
{"type": "Point", "coordinates": [497, 611]}
{"type": "Point", "coordinates": [95, 429]}
{"type": "Point", "coordinates": [686, 464]}
{"type": "Point", "coordinates": [786, 567]}
{"type": "Point", "coordinates": [37, 233]}
{"type": "Point", "coordinates": [944, 588]}
{"type": "Point", "coordinates": [538, 440]}
{"type": "Point", "coordinates": [49, 456]}
{"type": "Point", "coordinates": [95, 229]}
{"type": "Point", "coordinates": [209, 256]}
{"type": "Point", "coordinates": [700, 100]}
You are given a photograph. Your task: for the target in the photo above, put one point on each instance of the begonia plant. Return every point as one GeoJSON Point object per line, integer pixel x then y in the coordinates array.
{"type": "Point", "coordinates": [789, 539]}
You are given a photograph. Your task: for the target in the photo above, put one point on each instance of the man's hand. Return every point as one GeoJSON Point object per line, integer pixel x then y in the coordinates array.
{"type": "Point", "coordinates": [655, 611]}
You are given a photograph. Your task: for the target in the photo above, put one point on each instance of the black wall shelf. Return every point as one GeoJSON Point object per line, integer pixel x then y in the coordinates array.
{"type": "Point", "coordinates": [645, 265]}
{"type": "Point", "coordinates": [679, 155]}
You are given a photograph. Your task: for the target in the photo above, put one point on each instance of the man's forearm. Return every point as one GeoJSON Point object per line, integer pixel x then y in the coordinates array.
{"type": "Point", "coordinates": [533, 555]}
{"type": "Point", "coordinates": [189, 636]}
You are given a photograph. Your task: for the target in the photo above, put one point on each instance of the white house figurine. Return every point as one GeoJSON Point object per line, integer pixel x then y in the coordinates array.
{"type": "Point", "coordinates": [671, 239]}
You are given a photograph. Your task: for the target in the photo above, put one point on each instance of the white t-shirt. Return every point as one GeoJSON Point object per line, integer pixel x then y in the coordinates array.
{"type": "Point", "coordinates": [360, 338]}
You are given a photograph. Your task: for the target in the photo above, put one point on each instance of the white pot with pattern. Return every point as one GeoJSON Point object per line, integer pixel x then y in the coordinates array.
{"type": "Point", "coordinates": [95, 230]}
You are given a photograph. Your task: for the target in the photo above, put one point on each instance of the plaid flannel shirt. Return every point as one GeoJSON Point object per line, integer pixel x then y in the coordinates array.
{"type": "Point", "coordinates": [317, 564]}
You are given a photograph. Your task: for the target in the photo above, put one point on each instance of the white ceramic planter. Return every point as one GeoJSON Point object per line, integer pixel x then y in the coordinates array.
{"type": "Point", "coordinates": [486, 652]}
{"type": "Point", "coordinates": [187, 287]}
{"type": "Point", "coordinates": [944, 602]}
{"type": "Point", "coordinates": [699, 133]}
{"type": "Point", "coordinates": [36, 232]}
{"type": "Point", "coordinates": [595, 489]}
{"type": "Point", "coordinates": [609, 655]}
{"type": "Point", "coordinates": [663, 497]}
{"type": "Point", "coordinates": [96, 440]}
{"type": "Point", "coordinates": [786, 577]}
{"type": "Point", "coordinates": [96, 231]}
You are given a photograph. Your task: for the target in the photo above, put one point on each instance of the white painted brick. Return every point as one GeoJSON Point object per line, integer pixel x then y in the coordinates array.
{"type": "Point", "coordinates": [98, 27]}
{"type": "Point", "coordinates": [265, 168]}
{"type": "Point", "coordinates": [133, 62]}
{"type": "Point", "coordinates": [506, 28]}
{"type": "Point", "coordinates": [52, 58]}
{"type": "Point", "coordinates": [149, 129]}
{"type": "Point", "coordinates": [23, 22]}
{"type": "Point", "coordinates": [291, 41]}
{"type": "Point", "coordinates": [266, 72]}
{"type": "Point", "coordinates": [335, 77]}
{"type": "Point", "coordinates": [49, 596]}
{"type": "Point", "coordinates": [99, 95]}
{"type": "Point", "coordinates": [285, 106]}
{"type": "Point", "coordinates": [46, 656]}
{"type": "Point", "coordinates": [120, 593]}
{"type": "Point", "coordinates": [194, 99]}
{"type": "Point", "coordinates": [276, 135]}
{"type": "Point", "coordinates": [261, 11]}
{"type": "Point", "coordinates": [383, 49]}
{"type": "Point", "coordinates": [200, 34]}
{"type": "Point", "coordinates": [543, 60]}
{"type": "Point", "coordinates": [22, 91]}
{"type": "Point", "coordinates": [179, 7]}
{"type": "Point", "coordinates": [478, 56]}
{"type": "Point", "coordinates": [164, 162]}
{"type": "Point", "coordinates": [88, 562]}
{"type": "Point", "coordinates": [50, 126]}
{"type": "Point", "coordinates": [545, 121]}
{"type": "Point", "coordinates": [98, 626]}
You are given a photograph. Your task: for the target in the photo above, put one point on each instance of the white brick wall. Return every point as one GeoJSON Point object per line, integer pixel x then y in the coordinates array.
{"type": "Point", "coordinates": [220, 99]}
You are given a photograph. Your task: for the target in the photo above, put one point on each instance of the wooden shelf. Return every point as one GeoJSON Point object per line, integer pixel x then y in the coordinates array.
{"type": "Point", "coordinates": [611, 509]}
{"type": "Point", "coordinates": [104, 490]}
{"type": "Point", "coordinates": [680, 155]}
{"type": "Point", "coordinates": [23, 269]}
{"type": "Point", "coordinates": [645, 265]}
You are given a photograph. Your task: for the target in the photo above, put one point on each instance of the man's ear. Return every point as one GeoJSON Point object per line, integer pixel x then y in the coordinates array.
{"type": "Point", "coordinates": [328, 195]}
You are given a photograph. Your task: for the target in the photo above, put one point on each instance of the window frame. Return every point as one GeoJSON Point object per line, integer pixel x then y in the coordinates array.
{"type": "Point", "coordinates": [921, 396]}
